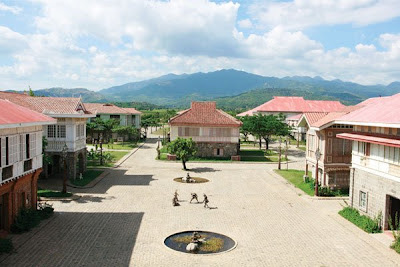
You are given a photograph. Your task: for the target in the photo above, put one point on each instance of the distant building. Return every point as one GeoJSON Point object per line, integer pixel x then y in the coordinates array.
{"type": "Point", "coordinates": [125, 116]}
{"type": "Point", "coordinates": [20, 159]}
{"type": "Point", "coordinates": [292, 107]}
{"type": "Point", "coordinates": [375, 169]}
{"type": "Point", "coordinates": [335, 154]}
{"type": "Point", "coordinates": [70, 129]}
{"type": "Point", "coordinates": [215, 132]}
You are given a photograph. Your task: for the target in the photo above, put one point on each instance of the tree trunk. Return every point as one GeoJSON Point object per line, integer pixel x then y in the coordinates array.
{"type": "Point", "coordinates": [184, 165]}
{"type": "Point", "coordinates": [260, 143]}
{"type": "Point", "coordinates": [267, 143]}
{"type": "Point", "coordinates": [280, 154]}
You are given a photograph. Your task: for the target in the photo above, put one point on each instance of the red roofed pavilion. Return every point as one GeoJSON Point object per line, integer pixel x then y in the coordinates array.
{"type": "Point", "coordinates": [215, 132]}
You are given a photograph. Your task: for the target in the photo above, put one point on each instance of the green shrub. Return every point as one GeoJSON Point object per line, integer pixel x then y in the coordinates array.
{"type": "Point", "coordinates": [45, 210]}
{"type": "Point", "coordinates": [364, 222]}
{"type": "Point", "coordinates": [6, 245]}
{"type": "Point", "coordinates": [26, 219]}
{"type": "Point", "coordinates": [395, 228]}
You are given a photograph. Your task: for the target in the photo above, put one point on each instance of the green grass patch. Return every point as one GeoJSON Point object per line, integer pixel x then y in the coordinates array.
{"type": "Point", "coordinates": [6, 245]}
{"type": "Point", "coordinates": [88, 176]}
{"type": "Point", "coordinates": [295, 177]}
{"type": "Point", "coordinates": [51, 193]}
{"type": "Point", "coordinates": [161, 131]}
{"type": "Point", "coordinates": [121, 146]}
{"type": "Point", "coordinates": [164, 149]}
{"type": "Point", "coordinates": [396, 245]}
{"type": "Point", "coordinates": [294, 142]}
{"type": "Point", "coordinates": [364, 222]}
{"type": "Point", "coordinates": [302, 148]}
{"type": "Point", "coordinates": [116, 155]}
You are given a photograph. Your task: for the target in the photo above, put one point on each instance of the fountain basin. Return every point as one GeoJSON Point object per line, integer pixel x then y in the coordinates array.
{"type": "Point", "coordinates": [213, 242]}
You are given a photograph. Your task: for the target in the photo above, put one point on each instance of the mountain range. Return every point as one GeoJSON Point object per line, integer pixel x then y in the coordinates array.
{"type": "Point", "coordinates": [232, 89]}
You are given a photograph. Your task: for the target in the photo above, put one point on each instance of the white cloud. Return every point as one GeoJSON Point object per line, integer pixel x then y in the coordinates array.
{"type": "Point", "coordinates": [300, 14]}
{"type": "Point", "coordinates": [13, 9]}
{"type": "Point", "coordinates": [245, 23]}
{"type": "Point", "coordinates": [191, 27]}
{"type": "Point", "coordinates": [10, 41]}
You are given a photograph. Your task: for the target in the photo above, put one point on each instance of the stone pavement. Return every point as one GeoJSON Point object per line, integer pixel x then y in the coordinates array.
{"type": "Point", "coordinates": [123, 220]}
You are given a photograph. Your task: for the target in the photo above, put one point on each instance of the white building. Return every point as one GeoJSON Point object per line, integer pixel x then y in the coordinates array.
{"type": "Point", "coordinates": [20, 159]}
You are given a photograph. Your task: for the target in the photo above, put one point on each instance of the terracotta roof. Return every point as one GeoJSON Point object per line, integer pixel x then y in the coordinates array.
{"type": "Point", "coordinates": [103, 108]}
{"type": "Point", "coordinates": [297, 104]}
{"type": "Point", "coordinates": [313, 117]}
{"type": "Point", "coordinates": [247, 113]}
{"type": "Point", "coordinates": [12, 114]}
{"type": "Point", "coordinates": [370, 139]}
{"type": "Point", "coordinates": [132, 111]}
{"type": "Point", "coordinates": [381, 110]}
{"type": "Point", "coordinates": [47, 105]}
{"type": "Point", "coordinates": [205, 114]}
{"type": "Point", "coordinates": [294, 117]}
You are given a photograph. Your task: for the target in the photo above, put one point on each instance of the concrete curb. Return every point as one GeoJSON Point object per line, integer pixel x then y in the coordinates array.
{"type": "Point", "coordinates": [73, 197]}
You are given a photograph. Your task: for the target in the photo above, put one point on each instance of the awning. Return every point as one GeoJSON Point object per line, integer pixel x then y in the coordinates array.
{"type": "Point", "coordinates": [370, 139]}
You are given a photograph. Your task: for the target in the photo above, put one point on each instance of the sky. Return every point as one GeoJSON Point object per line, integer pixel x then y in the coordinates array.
{"type": "Point", "coordinates": [97, 44]}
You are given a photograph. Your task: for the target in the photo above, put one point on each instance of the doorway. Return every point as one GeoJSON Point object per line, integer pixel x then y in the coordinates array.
{"type": "Point", "coordinates": [393, 211]}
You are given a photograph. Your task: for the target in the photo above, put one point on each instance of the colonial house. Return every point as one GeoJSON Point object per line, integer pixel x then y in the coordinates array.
{"type": "Point", "coordinates": [334, 154]}
{"type": "Point", "coordinates": [69, 132]}
{"type": "Point", "coordinates": [375, 169]}
{"type": "Point", "coordinates": [215, 132]}
{"type": "Point", "coordinates": [20, 159]}
{"type": "Point", "coordinates": [292, 107]}
{"type": "Point", "coordinates": [125, 116]}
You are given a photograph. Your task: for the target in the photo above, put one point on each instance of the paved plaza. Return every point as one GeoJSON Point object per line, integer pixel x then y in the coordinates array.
{"type": "Point", "coordinates": [123, 220]}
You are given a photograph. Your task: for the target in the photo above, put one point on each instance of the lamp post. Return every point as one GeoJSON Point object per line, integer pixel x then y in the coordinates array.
{"type": "Point", "coordinates": [101, 153]}
{"type": "Point", "coordinates": [317, 157]}
{"type": "Point", "coordinates": [64, 156]}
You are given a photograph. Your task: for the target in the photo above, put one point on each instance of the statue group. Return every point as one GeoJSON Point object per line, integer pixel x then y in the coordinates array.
{"type": "Point", "coordinates": [188, 179]}
{"type": "Point", "coordinates": [175, 200]}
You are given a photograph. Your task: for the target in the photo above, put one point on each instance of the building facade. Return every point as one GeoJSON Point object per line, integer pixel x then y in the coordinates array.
{"type": "Point", "coordinates": [70, 130]}
{"type": "Point", "coordinates": [215, 132]}
{"type": "Point", "coordinates": [20, 159]}
{"type": "Point", "coordinates": [375, 169]}
{"type": "Point", "coordinates": [293, 107]}
{"type": "Point", "coordinates": [125, 116]}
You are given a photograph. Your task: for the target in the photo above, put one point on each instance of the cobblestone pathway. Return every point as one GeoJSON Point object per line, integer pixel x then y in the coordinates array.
{"type": "Point", "coordinates": [124, 219]}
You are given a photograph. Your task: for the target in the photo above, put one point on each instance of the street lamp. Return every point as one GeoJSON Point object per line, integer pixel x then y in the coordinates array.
{"type": "Point", "coordinates": [64, 155]}
{"type": "Point", "coordinates": [317, 157]}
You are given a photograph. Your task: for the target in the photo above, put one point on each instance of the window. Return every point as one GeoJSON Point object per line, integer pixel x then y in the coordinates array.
{"type": "Point", "coordinates": [363, 201]}
{"type": "Point", "coordinates": [115, 117]}
{"type": "Point", "coordinates": [1, 158]}
{"type": "Point", "coordinates": [7, 151]}
{"type": "Point", "coordinates": [32, 145]}
{"type": "Point", "coordinates": [364, 148]}
{"type": "Point", "coordinates": [27, 147]}
{"type": "Point", "coordinates": [51, 131]}
{"type": "Point", "coordinates": [218, 152]}
{"type": "Point", "coordinates": [61, 133]}
{"type": "Point", "coordinates": [27, 165]}
{"type": "Point", "coordinates": [188, 131]}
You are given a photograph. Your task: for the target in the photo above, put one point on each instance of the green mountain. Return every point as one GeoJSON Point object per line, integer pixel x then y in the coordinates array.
{"type": "Point", "coordinates": [87, 95]}
{"type": "Point", "coordinates": [179, 90]}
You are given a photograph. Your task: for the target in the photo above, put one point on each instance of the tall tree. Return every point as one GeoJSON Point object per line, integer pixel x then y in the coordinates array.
{"type": "Point", "coordinates": [183, 148]}
{"type": "Point", "coordinates": [245, 129]}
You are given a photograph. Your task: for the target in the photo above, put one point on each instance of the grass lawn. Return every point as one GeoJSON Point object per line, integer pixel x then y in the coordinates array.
{"type": "Point", "coordinates": [296, 178]}
{"type": "Point", "coordinates": [51, 193]}
{"type": "Point", "coordinates": [116, 154]}
{"type": "Point", "coordinates": [121, 146]}
{"type": "Point", "coordinates": [259, 155]}
{"type": "Point", "coordinates": [302, 148]}
{"type": "Point", "coordinates": [88, 176]}
{"type": "Point", "coordinates": [161, 131]}
{"type": "Point", "coordinates": [294, 142]}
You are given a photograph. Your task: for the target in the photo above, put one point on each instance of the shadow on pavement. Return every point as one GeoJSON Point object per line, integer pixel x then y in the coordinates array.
{"type": "Point", "coordinates": [81, 239]}
{"type": "Point", "coordinates": [203, 169]}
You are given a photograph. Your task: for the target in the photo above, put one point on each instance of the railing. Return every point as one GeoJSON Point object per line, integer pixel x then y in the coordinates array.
{"type": "Point", "coordinates": [215, 139]}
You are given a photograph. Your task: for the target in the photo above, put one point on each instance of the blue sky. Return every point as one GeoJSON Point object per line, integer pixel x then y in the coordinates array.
{"type": "Point", "coordinates": [98, 43]}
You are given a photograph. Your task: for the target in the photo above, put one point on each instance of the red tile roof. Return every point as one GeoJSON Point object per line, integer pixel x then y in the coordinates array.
{"type": "Point", "coordinates": [294, 117]}
{"type": "Point", "coordinates": [381, 110]}
{"type": "Point", "coordinates": [102, 108]}
{"type": "Point", "coordinates": [132, 111]}
{"type": "Point", "coordinates": [205, 114]}
{"type": "Point", "coordinates": [12, 114]}
{"type": "Point", "coordinates": [370, 139]}
{"type": "Point", "coordinates": [296, 104]}
{"type": "Point", "coordinates": [47, 105]}
{"type": "Point", "coordinates": [313, 117]}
